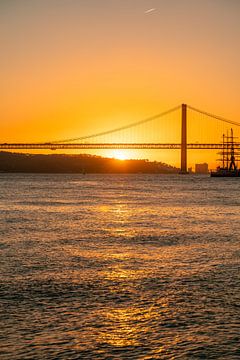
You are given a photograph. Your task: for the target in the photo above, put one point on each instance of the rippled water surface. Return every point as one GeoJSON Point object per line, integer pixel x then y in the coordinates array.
{"type": "Point", "coordinates": [119, 267]}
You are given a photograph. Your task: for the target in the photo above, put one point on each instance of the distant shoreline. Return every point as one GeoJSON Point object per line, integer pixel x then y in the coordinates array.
{"type": "Point", "coordinates": [78, 164]}
{"type": "Point", "coordinates": [103, 173]}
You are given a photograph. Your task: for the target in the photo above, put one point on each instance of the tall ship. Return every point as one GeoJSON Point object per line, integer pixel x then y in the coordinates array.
{"type": "Point", "coordinates": [229, 158]}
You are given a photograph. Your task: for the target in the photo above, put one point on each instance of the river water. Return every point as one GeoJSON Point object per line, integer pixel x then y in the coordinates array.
{"type": "Point", "coordinates": [119, 267]}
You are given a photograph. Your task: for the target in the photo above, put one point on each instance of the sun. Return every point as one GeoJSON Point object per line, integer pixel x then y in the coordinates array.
{"type": "Point", "coordinates": [119, 154]}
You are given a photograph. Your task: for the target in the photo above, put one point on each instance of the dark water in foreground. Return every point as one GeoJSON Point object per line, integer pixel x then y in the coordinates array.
{"type": "Point", "coordinates": [119, 267]}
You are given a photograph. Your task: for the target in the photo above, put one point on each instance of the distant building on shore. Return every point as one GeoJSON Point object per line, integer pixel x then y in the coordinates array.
{"type": "Point", "coordinates": [201, 168]}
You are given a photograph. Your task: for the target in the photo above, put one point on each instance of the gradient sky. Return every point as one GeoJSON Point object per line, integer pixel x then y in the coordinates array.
{"type": "Point", "coordinates": [72, 67]}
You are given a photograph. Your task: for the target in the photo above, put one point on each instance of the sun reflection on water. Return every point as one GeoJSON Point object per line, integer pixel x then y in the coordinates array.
{"type": "Point", "coordinates": [129, 326]}
{"type": "Point", "coordinates": [124, 328]}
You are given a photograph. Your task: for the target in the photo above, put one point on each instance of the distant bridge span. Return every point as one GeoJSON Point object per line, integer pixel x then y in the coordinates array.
{"type": "Point", "coordinates": [86, 142]}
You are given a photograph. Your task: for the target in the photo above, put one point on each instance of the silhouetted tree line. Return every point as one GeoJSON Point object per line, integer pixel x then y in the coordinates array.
{"type": "Point", "coordinates": [31, 163]}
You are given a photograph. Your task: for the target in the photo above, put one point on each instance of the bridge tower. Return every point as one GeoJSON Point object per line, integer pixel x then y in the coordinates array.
{"type": "Point", "coordinates": [184, 140]}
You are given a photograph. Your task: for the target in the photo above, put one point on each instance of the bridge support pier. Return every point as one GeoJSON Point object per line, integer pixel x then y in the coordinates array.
{"type": "Point", "coordinates": [184, 140]}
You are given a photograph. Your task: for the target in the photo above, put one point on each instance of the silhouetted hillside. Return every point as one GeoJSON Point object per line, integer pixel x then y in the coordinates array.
{"type": "Point", "coordinates": [15, 162]}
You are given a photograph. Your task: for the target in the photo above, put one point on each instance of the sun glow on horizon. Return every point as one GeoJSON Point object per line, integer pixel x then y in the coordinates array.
{"type": "Point", "coordinates": [120, 155]}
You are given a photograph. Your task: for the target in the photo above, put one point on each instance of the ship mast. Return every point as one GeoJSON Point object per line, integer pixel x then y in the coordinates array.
{"type": "Point", "coordinates": [232, 158]}
{"type": "Point", "coordinates": [223, 159]}
{"type": "Point", "coordinates": [227, 152]}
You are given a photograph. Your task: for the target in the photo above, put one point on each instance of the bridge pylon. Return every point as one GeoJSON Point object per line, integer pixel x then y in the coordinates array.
{"type": "Point", "coordinates": [184, 140]}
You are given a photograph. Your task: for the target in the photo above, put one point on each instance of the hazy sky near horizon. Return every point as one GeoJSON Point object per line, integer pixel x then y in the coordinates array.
{"type": "Point", "coordinates": [72, 67]}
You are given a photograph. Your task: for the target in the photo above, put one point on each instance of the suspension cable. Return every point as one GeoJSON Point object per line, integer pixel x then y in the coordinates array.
{"type": "Point", "coordinates": [214, 116]}
{"type": "Point", "coordinates": [120, 128]}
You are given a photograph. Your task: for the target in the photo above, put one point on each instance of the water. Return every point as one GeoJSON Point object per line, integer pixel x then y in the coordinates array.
{"type": "Point", "coordinates": [119, 267]}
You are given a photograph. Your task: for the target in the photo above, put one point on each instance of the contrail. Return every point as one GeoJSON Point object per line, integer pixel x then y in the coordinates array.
{"type": "Point", "coordinates": [150, 10]}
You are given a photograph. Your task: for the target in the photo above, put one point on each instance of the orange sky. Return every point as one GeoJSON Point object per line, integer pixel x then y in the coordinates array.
{"type": "Point", "coordinates": [71, 68]}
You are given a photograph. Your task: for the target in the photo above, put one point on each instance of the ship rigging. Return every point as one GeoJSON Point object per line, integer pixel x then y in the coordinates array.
{"type": "Point", "coordinates": [229, 158]}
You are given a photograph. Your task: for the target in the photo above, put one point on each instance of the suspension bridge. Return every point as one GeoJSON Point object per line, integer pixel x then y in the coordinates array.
{"type": "Point", "coordinates": [185, 127]}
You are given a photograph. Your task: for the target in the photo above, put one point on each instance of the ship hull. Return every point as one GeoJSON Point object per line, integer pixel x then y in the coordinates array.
{"type": "Point", "coordinates": [225, 173]}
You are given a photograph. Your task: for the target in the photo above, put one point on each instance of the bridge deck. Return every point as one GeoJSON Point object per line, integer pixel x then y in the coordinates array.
{"type": "Point", "coordinates": [76, 146]}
